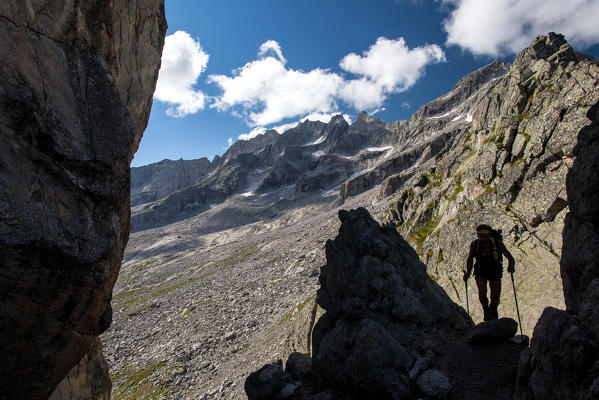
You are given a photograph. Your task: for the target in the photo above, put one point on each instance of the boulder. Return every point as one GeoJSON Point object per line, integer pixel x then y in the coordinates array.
{"type": "Point", "coordinates": [382, 312]}
{"type": "Point", "coordinates": [433, 383]}
{"type": "Point", "coordinates": [266, 383]}
{"type": "Point", "coordinates": [298, 365]}
{"type": "Point", "coordinates": [493, 331]}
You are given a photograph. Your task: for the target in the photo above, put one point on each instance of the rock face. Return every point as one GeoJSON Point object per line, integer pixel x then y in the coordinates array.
{"type": "Point", "coordinates": [382, 313]}
{"type": "Point", "coordinates": [508, 169]}
{"type": "Point", "coordinates": [154, 181]}
{"type": "Point", "coordinates": [76, 84]}
{"type": "Point", "coordinates": [88, 379]}
{"type": "Point", "coordinates": [563, 361]}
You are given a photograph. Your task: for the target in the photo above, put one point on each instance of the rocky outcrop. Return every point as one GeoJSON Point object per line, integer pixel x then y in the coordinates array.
{"type": "Point", "coordinates": [563, 361]}
{"type": "Point", "coordinates": [76, 85]}
{"type": "Point", "coordinates": [88, 379]}
{"type": "Point", "coordinates": [383, 313]}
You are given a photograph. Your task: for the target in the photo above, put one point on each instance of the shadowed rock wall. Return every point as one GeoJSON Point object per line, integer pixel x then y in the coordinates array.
{"type": "Point", "coordinates": [563, 361]}
{"type": "Point", "coordinates": [76, 85]}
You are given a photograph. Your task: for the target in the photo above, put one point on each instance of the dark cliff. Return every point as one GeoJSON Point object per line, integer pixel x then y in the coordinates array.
{"type": "Point", "coordinates": [76, 85]}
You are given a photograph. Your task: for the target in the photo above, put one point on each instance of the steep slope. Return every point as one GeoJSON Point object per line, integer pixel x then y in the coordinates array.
{"type": "Point", "coordinates": [154, 181]}
{"type": "Point", "coordinates": [507, 169]}
{"type": "Point", "coordinates": [77, 80]}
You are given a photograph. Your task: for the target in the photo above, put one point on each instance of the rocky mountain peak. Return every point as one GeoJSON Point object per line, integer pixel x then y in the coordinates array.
{"type": "Point", "coordinates": [553, 45]}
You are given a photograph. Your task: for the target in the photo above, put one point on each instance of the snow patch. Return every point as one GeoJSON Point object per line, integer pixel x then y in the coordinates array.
{"type": "Point", "coordinates": [325, 193]}
{"type": "Point", "coordinates": [469, 117]}
{"type": "Point", "coordinates": [318, 153]}
{"type": "Point", "coordinates": [458, 117]}
{"type": "Point", "coordinates": [442, 116]}
{"type": "Point", "coordinates": [247, 194]}
{"type": "Point", "coordinates": [355, 175]}
{"type": "Point", "coordinates": [214, 205]}
{"type": "Point", "coordinates": [317, 141]}
{"type": "Point", "coordinates": [379, 148]}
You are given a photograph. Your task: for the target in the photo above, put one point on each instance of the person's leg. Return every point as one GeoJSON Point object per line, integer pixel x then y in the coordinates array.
{"type": "Point", "coordinates": [481, 284]}
{"type": "Point", "coordinates": [495, 295]}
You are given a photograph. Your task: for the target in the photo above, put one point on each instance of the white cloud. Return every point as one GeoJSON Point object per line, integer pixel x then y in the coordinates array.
{"type": "Point", "coordinates": [391, 65]}
{"type": "Point", "coordinates": [405, 104]}
{"type": "Point", "coordinates": [266, 91]}
{"type": "Point", "coordinates": [269, 92]}
{"type": "Point", "coordinates": [501, 27]}
{"type": "Point", "coordinates": [252, 134]}
{"type": "Point", "coordinates": [272, 46]}
{"type": "Point", "coordinates": [183, 61]}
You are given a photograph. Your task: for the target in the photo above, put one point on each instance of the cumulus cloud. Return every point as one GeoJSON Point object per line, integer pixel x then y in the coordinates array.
{"type": "Point", "coordinates": [266, 91]}
{"type": "Point", "coordinates": [183, 61]}
{"type": "Point", "coordinates": [501, 27]}
{"type": "Point", "coordinates": [387, 67]}
{"type": "Point", "coordinates": [269, 92]}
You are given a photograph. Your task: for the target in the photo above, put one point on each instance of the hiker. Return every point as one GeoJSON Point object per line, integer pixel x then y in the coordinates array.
{"type": "Point", "coordinates": [488, 249]}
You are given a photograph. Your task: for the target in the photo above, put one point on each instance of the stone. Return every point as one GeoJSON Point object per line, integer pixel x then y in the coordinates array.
{"type": "Point", "coordinates": [298, 365]}
{"type": "Point", "coordinates": [421, 365]}
{"type": "Point", "coordinates": [433, 383]}
{"type": "Point", "coordinates": [77, 80]}
{"type": "Point", "coordinates": [493, 331]}
{"type": "Point", "coordinates": [266, 383]}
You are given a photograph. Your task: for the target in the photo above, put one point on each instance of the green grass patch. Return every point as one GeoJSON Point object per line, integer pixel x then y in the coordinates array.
{"type": "Point", "coordinates": [522, 117]}
{"type": "Point", "coordinates": [137, 386]}
{"type": "Point", "coordinates": [420, 236]}
{"type": "Point", "coordinates": [440, 256]}
{"type": "Point", "coordinates": [295, 310]}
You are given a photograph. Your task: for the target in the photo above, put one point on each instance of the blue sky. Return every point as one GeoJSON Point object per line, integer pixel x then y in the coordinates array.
{"type": "Point", "coordinates": [232, 69]}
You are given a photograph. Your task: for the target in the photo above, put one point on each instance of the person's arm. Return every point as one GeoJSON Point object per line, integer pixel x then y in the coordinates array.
{"type": "Point", "coordinates": [471, 255]}
{"type": "Point", "coordinates": [510, 259]}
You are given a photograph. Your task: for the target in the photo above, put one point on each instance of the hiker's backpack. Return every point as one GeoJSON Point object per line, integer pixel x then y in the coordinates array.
{"type": "Point", "coordinates": [495, 249]}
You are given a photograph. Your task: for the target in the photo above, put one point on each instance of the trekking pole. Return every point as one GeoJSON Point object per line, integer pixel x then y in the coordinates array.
{"type": "Point", "coordinates": [516, 299]}
{"type": "Point", "coordinates": [467, 305]}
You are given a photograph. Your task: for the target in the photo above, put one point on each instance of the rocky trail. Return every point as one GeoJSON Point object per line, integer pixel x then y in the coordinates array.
{"type": "Point", "coordinates": [482, 370]}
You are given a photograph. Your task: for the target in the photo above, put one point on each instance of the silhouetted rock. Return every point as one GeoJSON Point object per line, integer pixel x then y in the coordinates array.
{"type": "Point", "coordinates": [493, 331]}
{"type": "Point", "coordinates": [298, 365]}
{"type": "Point", "coordinates": [433, 383]}
{"type": "Point", "coordinates": [267, 382]}
{"type": "Point", "coordinates": [383, 312]}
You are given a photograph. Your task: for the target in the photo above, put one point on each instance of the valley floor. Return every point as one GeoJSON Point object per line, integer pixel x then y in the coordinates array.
{"type": "Point", "coordinates": [197, 309]}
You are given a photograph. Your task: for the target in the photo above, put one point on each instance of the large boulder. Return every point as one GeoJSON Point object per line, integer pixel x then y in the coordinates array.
{"type": "Point", "coordinates": [383, 313]}
{"type": "Point", "coordinates": [76, 85]}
